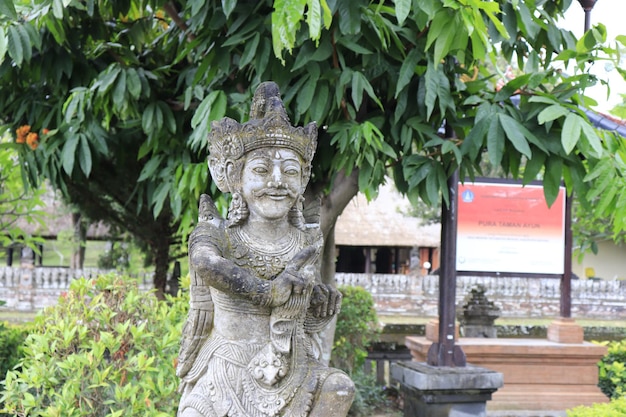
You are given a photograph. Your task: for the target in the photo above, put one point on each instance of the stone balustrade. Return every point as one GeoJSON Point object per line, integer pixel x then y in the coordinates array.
{"type": "Point", "coordinates": [393, 294]}
{"type": "Point", "coordinates": [34, 288]}
{"type": "Point", "coordinates": [515, 296]}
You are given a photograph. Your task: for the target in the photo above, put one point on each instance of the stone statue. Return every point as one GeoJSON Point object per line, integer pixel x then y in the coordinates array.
{"type": "Point", "coordinates": [251, 344]}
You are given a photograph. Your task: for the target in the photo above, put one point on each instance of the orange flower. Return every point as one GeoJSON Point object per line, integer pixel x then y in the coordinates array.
{"type": "Point", "coordinates": [32, 140]}
{"type": "Point", "coordinates": [21, 133]}
{"type": "Point", "coordinates": [45, 131]}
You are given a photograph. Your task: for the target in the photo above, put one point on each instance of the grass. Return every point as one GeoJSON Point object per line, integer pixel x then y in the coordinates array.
{"type": "Point", "coordinates": [504, 321]}
{"type": "Point", "coordinates": [17, 316]}
{"type": "Point", "coordinates": [58, 253]}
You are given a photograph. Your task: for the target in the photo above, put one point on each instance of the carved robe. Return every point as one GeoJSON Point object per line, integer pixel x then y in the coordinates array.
{"type": "Point", "coordinates": [238, 357]}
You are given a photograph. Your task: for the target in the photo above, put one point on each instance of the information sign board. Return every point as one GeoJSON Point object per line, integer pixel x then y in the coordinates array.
{"type": "Point", "coordinates": [509, 228]}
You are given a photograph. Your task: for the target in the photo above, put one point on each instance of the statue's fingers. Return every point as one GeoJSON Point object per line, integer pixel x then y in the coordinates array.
{"type": "Point", "coordinates": [324, 306]}
{"type": "Point", "coordinates": [338, 298]}
{"type": "Point", "coordinates": [332, 301]}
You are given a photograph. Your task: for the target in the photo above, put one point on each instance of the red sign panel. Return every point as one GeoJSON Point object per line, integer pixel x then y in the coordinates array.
{"type": "Point", "coordinates": [509, 228]}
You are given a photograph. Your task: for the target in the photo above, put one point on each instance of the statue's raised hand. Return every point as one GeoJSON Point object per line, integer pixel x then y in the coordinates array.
{"type": "Point", "coordinates": [325, 301]}
{"type": "Point", "coordinates": [297, 277]}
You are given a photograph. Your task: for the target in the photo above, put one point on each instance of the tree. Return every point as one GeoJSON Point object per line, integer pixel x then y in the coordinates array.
{"type": "Point", "coordinates": [128, 90]}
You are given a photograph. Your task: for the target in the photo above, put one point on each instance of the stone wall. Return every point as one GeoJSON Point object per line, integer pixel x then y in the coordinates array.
{"type": "Point", "coordinates": [516, 297]}
{"type": "Point", "coordinates": [33, 288]}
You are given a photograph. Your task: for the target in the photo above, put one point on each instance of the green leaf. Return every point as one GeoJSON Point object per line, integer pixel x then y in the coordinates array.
{"type": "Point", "coordinates": [403, 7]}
{"type": "Point", "coordinates": [533, 167]}
{"type": "Point", "coordinates": [107, 78]}
{"type": "Point", "coordinates": [305, 96]}
{"type": "Point", "coordinates": [350, 16]}
{"type": "Point", "coordinates": [204, 109]}
{"type": "Point", "coordinates": [84, 155]}
{"type": "Point", "coordinates": [407, 70]}
{"type": "Point", "coordinates": [68, 155]}
{"type": "Point", "coordinates": [4, 42]}
{"type": "Point", "coordinates": [552, 113]}
{"type": "Point", "coordinates": [150, 168]}
{"type": "Point", "coordinates": [133, 82]}
{"type": "Point", "coordinates": [285, 23]}
{"type": "Point", "coordinates": [8, 9]}
{"type": "Point", "coordinates": [449, 146]}
{"type": "Point", "coordinates": [495, 142]}
{"type": "Point", "coordinates": [445, 39]}
{"type": "Point", "coordinates": [359, 84]}
{"type": "Point", "coordinates": [473, 142]}
{"type": "Point", "coordinates": [119, 91]}
{"type": "Point", "coordinates": [320, 103]}
{"type": "Point", "coordinates": [314, 19]}
{"type": "Point", "coordinates": [250, 51]}
{"type": "Point", "coordinates": [15, 46]}
{"type": "Point", "coordinates": [571, 132]}
{"type": "Point", "coordinates": [438, 25]}
{"type": "Point", "coordinates": [552, 179]}
{"type": "Point", "coordinates": [513, 130]}
{"type": "Point", "coordinates": [592, 138]}
{"type": "Point", "coordinates": [57, 9]}
{"type": "Point", "coordinates": [228, 6]}
{"type": "Point", "coordinates": [158, 198]}
{"type": "Point", "coordinates": [147, 118]}
{"type": "Point", "coordinates": [351, 44]}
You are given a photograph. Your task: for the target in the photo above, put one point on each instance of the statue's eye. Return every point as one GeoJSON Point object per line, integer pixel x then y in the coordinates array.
{"type": "Point", "coordinates": [261, 170]}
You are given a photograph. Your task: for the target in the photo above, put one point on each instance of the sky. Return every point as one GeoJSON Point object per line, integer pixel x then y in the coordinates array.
{"type": "Point", "coordinates": [611, 13]}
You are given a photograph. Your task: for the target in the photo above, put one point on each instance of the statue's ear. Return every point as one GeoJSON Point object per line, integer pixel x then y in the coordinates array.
{"type": "Point", "coordinates": [233, 175]}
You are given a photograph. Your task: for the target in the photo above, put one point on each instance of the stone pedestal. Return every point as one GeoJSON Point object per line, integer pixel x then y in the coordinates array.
{"type": "Point", "coordinates": [565, 330]}
{"type": "Point", "coordinates": [538, 374]}
{"type": "Point", "coordinates": [431, 391]}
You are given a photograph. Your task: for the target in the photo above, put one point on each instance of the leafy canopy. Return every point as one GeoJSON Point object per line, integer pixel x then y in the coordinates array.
{"type": "Point", "coordinates": [128, 90]}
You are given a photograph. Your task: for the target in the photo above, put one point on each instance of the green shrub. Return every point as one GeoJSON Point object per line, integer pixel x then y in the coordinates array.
{"type": "Point", "coordinates": [368, 395]}
{"type": "Point", "coordinates": [616, 408]}
{"type": "Point", "coordinates": [357, 328]}
{"type": "Point", "coordinates": [106, 349]}
{"type": "Point", "coordinates": [612, 370]}
{"type": "Point", "coordinates": [11, 349]}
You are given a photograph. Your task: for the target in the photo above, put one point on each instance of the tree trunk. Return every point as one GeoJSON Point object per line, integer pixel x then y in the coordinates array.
{"type": "Point", "coordinates": [343, 191]}
{"type": "Point", "coordinates": [160, 251]}
{"type": "Point", "coordinates": [332, 205]}
{"type": "Point", "coordinates": [79, 241]}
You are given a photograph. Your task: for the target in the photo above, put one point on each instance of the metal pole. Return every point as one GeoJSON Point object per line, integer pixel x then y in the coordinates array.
{"type": "Point", "coordinates": [566, 280]}
{"type": "Point", "coordinates": [445, 352]}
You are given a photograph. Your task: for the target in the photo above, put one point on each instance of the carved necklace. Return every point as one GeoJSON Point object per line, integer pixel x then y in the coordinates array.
{"type": "Point", "coordinates": [266, 259]}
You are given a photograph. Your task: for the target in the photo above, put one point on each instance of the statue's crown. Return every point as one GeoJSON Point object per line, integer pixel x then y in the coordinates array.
{"type": "Point", "coordinates": [269, 126]}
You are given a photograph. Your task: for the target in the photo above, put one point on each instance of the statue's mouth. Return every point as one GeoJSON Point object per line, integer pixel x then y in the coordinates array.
{"type": "Point", "coordinates": [275, 193]}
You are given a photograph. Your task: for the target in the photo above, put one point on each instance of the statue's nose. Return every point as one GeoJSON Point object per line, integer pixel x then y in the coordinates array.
{"type": "Point", "coordinates": [277, 175]}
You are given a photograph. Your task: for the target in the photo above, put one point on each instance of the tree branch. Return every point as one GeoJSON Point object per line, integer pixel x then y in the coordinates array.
{"type": "Point", "coordinates": [171, 11]}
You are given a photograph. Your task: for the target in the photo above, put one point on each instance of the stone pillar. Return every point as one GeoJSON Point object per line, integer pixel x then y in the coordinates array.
{"type": "Point", "coordinates": [25, 288]}
{"type": "Point", "coordinates": [436, 391]}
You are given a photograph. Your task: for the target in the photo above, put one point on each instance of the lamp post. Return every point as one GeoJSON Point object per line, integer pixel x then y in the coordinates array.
{"type": "Point", "coordinates": [587, 6]}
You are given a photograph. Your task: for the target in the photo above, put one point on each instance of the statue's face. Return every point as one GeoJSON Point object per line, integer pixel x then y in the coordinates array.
{"type": "Point", "coordinates": [271, 182]}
